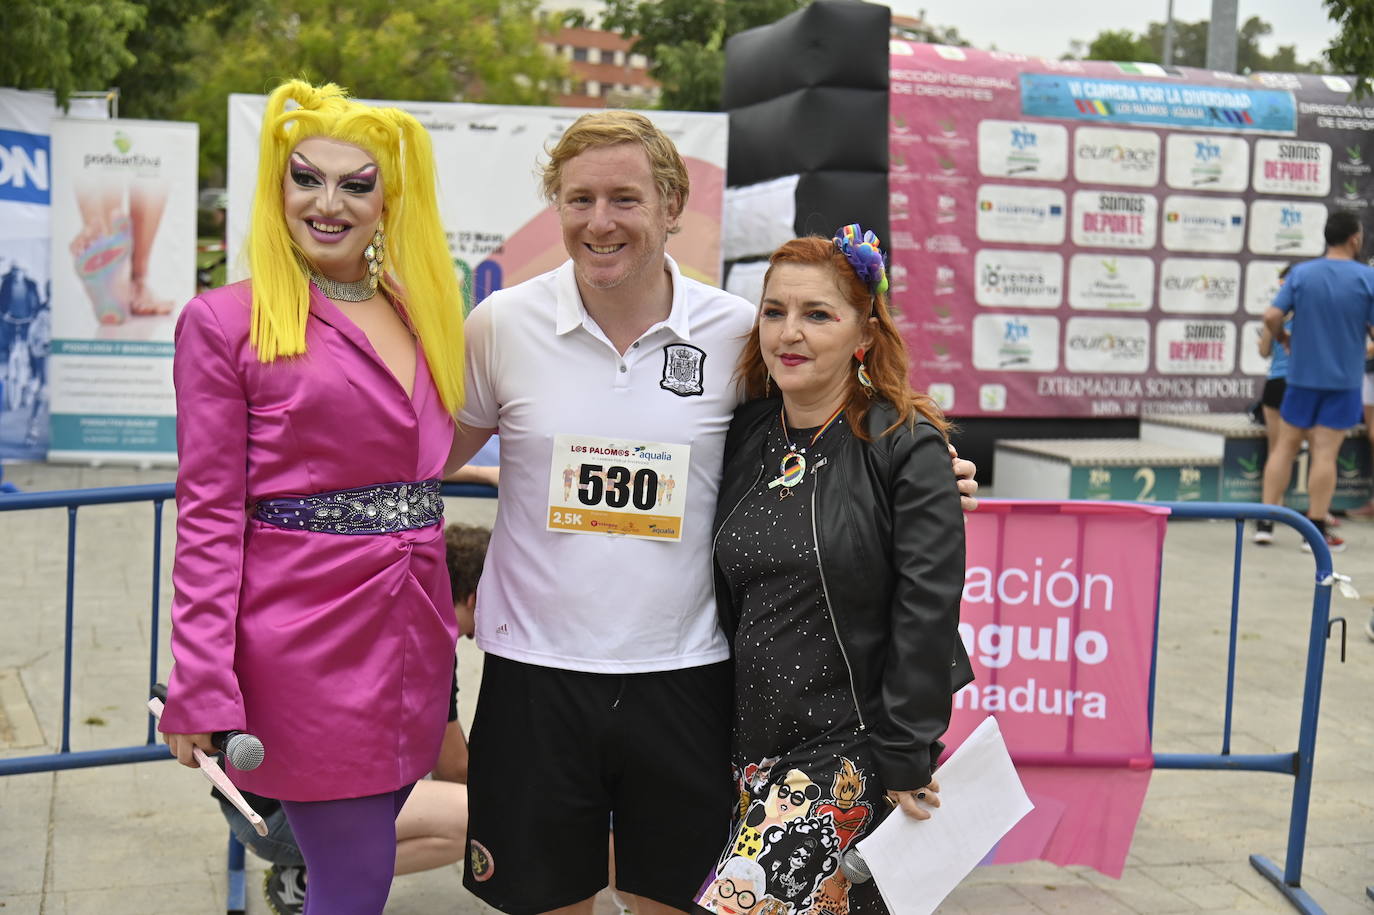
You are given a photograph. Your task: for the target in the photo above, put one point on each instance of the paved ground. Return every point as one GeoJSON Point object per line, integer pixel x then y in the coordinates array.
{"type": "Point", "coordinates": [145, 838]}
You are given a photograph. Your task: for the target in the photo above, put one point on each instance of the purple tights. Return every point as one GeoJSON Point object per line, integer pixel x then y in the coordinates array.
{"type": "Point", "coordinates": [349, 847]}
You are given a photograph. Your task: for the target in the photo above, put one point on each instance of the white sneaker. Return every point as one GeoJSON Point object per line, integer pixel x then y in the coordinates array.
{"type": "Point", "coordinates": [1264, 533]}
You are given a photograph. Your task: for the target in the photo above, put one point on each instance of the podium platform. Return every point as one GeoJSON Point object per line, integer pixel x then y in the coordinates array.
{"type": "Point", "coordinates": [1215, 457]}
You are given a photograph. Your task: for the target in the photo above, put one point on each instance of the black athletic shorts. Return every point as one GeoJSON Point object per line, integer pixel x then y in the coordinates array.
{"type": "Point", "coordinates": [557, 756]}
{"type": "Point", "coordinates": [1273, 392]}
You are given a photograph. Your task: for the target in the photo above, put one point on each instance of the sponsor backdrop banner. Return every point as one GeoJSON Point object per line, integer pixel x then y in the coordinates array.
{"type": "Point", "coordinates": [500, 230]}
{"type": "Point", "coordinates": [1083, 238]}
{"type": "Point", "coordinates": [1058, 617]}
{"type": "Point", "coordinates": [123, 255]}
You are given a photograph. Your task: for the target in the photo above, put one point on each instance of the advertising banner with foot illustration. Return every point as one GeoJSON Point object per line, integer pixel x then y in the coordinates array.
{"type": "Point", "coordinates": [123, 263]}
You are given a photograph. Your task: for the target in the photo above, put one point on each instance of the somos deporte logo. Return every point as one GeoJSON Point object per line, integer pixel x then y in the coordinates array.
{"type": "Point", "coordinates": [24, 172]}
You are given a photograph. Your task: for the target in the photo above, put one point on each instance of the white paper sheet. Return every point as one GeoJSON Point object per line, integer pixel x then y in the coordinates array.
{"type": "Point", "coordinates": [916, 863]}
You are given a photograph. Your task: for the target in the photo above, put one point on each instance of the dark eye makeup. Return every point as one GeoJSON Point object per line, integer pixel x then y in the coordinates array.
{"type": "Point", "coordinates": [363, 181]}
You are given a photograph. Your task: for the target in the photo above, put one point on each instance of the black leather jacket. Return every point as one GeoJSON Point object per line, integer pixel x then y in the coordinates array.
{"type": "Point", "coordinates": [890, 535]}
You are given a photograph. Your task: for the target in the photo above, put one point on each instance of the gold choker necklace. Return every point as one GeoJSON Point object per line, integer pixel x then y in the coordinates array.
{"type": "Point", "coordinates": [356, 291]}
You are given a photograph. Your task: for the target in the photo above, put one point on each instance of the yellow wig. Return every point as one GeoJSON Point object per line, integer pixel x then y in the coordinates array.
{"type": "Point", "coordinates": [420, 276]}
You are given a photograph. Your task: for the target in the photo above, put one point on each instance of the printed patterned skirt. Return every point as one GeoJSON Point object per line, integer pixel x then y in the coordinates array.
{"type": "Point", "coordinates": [796, 818]}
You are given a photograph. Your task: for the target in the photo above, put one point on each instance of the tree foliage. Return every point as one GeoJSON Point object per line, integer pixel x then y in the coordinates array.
{"type": "Point", "coordinates": [1121, 44]}
{"type": "Point", "coordinates": [1190, 47]}
{"type": "Point", "coordinates": [685, 41]}
{"type": "Point", "coordinates": [437, 50]}
{"type": "Point", "coordinates": [1353, 50]}
{"type": "Point", "coordinates": [161, 52]}
{"type": "Point", "coordinates": [66, 45]}
{"type": "Point", "coordinates": [927, 32]}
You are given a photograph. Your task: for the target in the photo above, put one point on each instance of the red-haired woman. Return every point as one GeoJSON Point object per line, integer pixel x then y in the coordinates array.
{"type": "Point", "coordinates": [839, 560]}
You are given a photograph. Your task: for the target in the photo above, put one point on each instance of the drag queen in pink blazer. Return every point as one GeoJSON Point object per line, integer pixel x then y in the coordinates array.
{"type": "Point", "coordinates": [314, 417]}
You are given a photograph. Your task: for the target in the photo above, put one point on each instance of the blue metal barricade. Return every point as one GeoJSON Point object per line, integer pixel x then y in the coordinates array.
{"type": "Point", "coordinates": [149, 750]}
{"type": "Point", "coordinates": [1298, 764]}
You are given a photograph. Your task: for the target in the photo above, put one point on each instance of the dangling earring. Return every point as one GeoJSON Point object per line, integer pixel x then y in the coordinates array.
{"type": "Point", "coordinates": [768, 384]}
{"type": "Point", "coordinates": [374, 254]}
{"type": "Point", "coordinates": [862, 373]}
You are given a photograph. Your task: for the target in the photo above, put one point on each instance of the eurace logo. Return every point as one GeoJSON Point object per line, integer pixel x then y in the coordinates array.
{"type": "Point", "coordinates": [1134, 158]}
{"type": "Point", "coordinates": [1211, 286]}
{"type": "Point", "coordinates": [24, 167]}
{"type": "Point", "coordinates": [1114, 346]}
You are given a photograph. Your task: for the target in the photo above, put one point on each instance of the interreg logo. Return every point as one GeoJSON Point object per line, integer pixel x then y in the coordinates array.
{"type": "Point", "coordinates": [1290, 218]}
{"type": "Point", "coordinates": [1022, 138]}
{"type": "Point", "coordinates": [1206, 151]}
{"type": "Point", "coordinates": [24, 173]}
{"type": "Point", "coordinates": [1014, 331]}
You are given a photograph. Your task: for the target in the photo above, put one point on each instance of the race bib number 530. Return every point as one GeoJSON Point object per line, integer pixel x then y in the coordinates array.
{"type": "Point", "coordinates": [611, 486]}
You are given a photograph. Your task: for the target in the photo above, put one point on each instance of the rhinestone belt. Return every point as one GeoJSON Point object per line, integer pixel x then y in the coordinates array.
{"type": "Point", "coordinates": [385, 508]}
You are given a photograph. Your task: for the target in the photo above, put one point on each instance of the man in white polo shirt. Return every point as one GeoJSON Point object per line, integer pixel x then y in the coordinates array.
{"type": "Point", "coordinates": [606, 688]}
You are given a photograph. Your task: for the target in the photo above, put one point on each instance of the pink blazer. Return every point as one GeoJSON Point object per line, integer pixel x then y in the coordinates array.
{"type": "Point", "coordinates": [336, 650]}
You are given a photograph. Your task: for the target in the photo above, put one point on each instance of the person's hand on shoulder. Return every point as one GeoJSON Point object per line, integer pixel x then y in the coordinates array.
{"type": "Point", "coordinates": [963, 474]}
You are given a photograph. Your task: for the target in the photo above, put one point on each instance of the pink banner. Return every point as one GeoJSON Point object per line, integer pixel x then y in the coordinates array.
{"type": "Point", "coordinates": [1085, 238]}
{"type": "Point", "coordinates": [1058, 617]}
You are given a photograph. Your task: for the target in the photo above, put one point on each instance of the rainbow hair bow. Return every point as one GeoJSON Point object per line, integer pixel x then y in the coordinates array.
{"type": "Point", "coordinates": [861, 249]}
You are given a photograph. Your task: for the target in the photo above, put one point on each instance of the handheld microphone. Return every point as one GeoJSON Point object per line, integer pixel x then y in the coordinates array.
{"type": "Point", "coordinates": [854, 867]}
{"type": "Point", "coordinates": [243, 751]}
{"type": "Point", "coordinates": [213, 774]}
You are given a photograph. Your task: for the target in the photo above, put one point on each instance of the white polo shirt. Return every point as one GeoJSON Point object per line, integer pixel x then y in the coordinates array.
{"type": "Point", "coordinates": [538, 366]}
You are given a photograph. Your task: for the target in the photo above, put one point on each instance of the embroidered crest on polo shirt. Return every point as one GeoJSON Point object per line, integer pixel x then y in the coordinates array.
{"type": "Point", "coordinates": [682, 364]}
